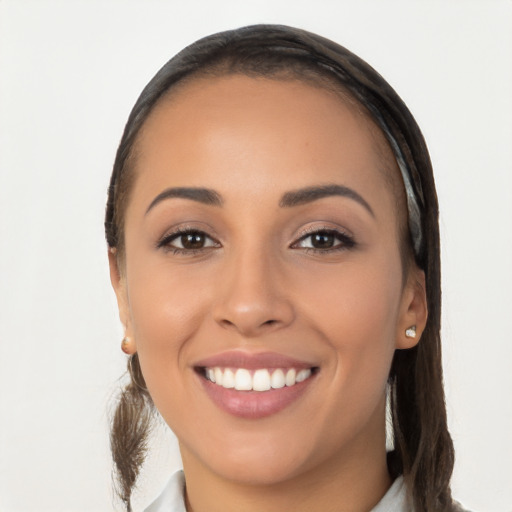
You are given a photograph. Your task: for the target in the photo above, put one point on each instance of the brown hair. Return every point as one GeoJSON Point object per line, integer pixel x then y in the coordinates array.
{"type": "Point", "coordinates": [423, 450]}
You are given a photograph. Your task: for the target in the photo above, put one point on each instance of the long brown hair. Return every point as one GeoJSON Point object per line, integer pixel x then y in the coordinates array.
{"type": "Point", "coordinates": [423, 451]}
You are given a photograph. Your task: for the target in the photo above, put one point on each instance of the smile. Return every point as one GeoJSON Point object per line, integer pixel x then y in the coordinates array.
{"type": "Point", "coordinates": [242, 379]}
{"type": "Point", "coordinates": [255, 385]}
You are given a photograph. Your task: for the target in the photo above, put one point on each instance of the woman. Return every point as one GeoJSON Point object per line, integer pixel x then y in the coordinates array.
{"type": "Point", "coordinates": [274, 248]}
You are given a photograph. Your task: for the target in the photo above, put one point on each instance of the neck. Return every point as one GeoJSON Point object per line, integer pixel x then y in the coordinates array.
{"type": "Point", "coordinates": [353, 480]}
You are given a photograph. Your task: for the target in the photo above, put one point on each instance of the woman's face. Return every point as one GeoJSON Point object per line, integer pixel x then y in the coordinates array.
{"type": "Point", "coordinates": [262, 251]}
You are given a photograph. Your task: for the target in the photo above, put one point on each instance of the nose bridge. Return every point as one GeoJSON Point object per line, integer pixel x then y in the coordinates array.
{"type": "Point", "coordinates": [251, 295]}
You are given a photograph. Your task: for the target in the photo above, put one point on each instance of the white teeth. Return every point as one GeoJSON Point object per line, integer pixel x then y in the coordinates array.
{"type": "Point", "coordinates": [228, 379]}
{"type": "Point", "coordinates": [277, 381]}
{"type": "Point", "coordinates": [290, 377]}
{"type": "Point", "coordinates": [262, 379]}
{"type": "Point", "coordinates": [303, 375]}
{"type": "Point", "coordinates": [243, 380]}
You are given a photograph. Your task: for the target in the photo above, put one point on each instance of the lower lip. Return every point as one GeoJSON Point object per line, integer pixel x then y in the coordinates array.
{"type": "Point", "coordinates": [254, 404]}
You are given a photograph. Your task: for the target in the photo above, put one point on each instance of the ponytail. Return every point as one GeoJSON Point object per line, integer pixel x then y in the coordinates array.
{"type": "Point", "coordinates": [129, 432]}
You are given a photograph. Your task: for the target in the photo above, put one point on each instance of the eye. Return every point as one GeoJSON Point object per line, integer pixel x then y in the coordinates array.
{"type": "Point", "coordinates": [189, 240]}
{"type": "Point", "coordinates": [324, 240]}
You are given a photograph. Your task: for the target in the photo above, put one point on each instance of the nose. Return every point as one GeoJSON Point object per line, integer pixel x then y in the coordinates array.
{"type": "Point", "coordinates": [251, 297]}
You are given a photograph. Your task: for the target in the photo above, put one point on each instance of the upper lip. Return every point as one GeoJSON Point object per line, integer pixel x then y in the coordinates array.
{"type": "Point", "coordinates": [252, 361]}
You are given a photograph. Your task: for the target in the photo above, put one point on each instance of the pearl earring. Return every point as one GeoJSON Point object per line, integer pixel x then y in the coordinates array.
{"type": "Point", "coordinates": [126, 345]}
{"type": "Point", "coordinates": [411, 332]}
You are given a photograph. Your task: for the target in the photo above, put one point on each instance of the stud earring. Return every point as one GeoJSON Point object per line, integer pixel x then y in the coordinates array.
{"type": "Point", "coordinates": [126, 345]}
{"type": "Point", "coordinates": [411, 332]}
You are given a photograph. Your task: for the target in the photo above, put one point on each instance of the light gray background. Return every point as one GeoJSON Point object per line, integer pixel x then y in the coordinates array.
{"type": "Point", "coordinates": [69, 74]}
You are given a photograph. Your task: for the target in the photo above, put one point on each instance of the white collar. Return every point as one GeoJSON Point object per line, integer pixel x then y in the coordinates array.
{"type": "Point", "coordinates": [172, 497]}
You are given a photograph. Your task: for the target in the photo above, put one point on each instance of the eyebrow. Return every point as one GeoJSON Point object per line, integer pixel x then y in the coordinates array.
{"type": "Point", "coordinates": [201, 195]}
{"type": "Point", "coordinates": [310, 194]}
{"type": "Point", "coordinates": [288, 200]}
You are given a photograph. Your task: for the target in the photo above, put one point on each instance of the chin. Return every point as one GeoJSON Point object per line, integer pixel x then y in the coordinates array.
{"type": "Point", "coordinates": [260, 459]}
{"type": "Point", "coordinates": [259, 471]}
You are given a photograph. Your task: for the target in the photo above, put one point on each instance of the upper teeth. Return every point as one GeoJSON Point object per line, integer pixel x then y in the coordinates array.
{"type": "Point", "coordinates": [242, 379]}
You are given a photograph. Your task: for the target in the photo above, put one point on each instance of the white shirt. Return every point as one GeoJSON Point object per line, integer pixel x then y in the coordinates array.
{"type": "Point", "coordinates": [172, 497]}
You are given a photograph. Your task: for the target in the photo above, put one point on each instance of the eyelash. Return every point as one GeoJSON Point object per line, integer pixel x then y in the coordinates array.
{"type": "Point", "coordinates": [165, 242]}
{"type": "Point", "coordinates": [345, 241]}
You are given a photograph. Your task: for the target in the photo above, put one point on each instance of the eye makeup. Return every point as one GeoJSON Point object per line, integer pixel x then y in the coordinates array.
{"type": "Point", "coordinates": [324, 239]}
{"type": "Point", "coordinates": [190, 241]}
{"type": "Point", "coordinates": [187, 241]}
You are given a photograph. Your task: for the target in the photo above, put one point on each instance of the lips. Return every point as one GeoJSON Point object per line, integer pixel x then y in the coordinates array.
{"type": "Point", "coordinates": [254, 386]}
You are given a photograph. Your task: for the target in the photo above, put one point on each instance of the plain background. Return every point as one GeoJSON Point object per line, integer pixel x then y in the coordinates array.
{"type": "Point", "coordinates": [70, 72]}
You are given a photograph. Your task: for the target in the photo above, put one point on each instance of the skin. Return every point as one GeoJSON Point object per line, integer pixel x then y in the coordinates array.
{"type": "Point", "coordinates": [259, 287]}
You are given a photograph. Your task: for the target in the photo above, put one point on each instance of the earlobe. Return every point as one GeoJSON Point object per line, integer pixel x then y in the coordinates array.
{"type": "Point", "coordinates": [414, 314]}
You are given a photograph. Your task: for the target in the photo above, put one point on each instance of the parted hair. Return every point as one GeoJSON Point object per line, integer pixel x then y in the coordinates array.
{"type": "Point", "coordinates": [423, 449]}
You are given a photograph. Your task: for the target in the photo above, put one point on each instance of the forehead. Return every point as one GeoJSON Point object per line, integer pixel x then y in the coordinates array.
{"type": "Point", "coordinates": [206, 129]}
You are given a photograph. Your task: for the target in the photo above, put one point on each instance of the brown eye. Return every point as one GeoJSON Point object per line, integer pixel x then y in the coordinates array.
{"type": "Point", "coordinates": [184, 241]}
{"type": "Point", "coordinates": [323, 240]}
{"type": "Point", "coordinates": [193, 240]}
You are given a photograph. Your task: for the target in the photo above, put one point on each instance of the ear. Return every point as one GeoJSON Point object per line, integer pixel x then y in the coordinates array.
{"type": "Point", "coordinates": [118, 281]}
{"type": "Point", "coordinates": [413, 309]}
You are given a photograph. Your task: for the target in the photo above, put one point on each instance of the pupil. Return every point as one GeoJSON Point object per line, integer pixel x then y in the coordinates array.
{"type": "Point", "coordinates": [192, 241]}
{"type": "Point", "coordinates": [323, 240]}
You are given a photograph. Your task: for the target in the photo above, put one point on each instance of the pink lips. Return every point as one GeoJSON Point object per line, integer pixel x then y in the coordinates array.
{"type": "Point", "coordinates": [239, 359]}
{"type": "Point", "coordinates": [253, 404]}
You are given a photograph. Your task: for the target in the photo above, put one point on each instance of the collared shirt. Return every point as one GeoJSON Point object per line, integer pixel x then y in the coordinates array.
{"type": "Point", "coordinates": [172, 498]}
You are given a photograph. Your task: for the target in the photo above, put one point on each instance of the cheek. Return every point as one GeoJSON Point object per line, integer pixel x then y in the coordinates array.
{"type": "Point", "coordinates": [356, 312]}
{"type": "Point", "coordinates": [358, 303]}
{"type": "Point", "coordinates": [166, 311]}
{"type": "Point", "coordinates": [158, 312]}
